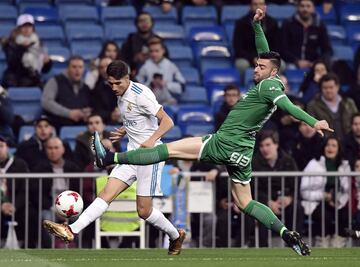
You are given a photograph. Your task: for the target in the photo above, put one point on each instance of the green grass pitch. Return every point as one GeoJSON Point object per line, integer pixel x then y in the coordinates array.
{"type": "Point", "coordinates": [188, 258]}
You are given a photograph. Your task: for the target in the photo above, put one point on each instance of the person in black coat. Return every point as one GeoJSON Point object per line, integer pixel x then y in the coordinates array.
{"type": "Point", "coordinates": [351, 142]}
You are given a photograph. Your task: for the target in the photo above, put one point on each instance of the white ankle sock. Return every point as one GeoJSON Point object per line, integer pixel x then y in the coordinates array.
{"type": "Point", "coordinates": [158, 220]}
{"type": "Point", "coordinates": [94, 211]}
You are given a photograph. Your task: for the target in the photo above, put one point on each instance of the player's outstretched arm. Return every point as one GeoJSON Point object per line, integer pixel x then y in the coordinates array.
{"type": "Point", "coordinates": [260, 39]}
{"type": "Point", "coordinates": [285, 104]}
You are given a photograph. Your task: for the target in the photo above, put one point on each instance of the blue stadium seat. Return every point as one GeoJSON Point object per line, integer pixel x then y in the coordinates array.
{"type": "Point", "coordinates": [73, 2]}
{"type": "Point", "coordinates": [8, 14]}
{"type": "Point", "coordinates": [248, 80]}
{"type": "Point", "coordinates": [214, 62]}
{"type": "Point", "coordinates": [194, 114]}
{"type": "Point", "coordinates": [51, 35]}
{"type": "Point", "coordinates": [88, 53]}
{"type": "Point", "coordinates": [172, 135]}
{"type": "Point", "coordinates": [194, 95]}
{"type": "Point", "coordinates": [188, 25]}
{"type": "Point", "coordinates": [5, 29]}
{"type": "Point", "coordinates": [121, 15]}
{"type": "Point", "coordinates": [212, 56]}
{"type": "Point", "coordinates": [79, 14]}
{"type": "Point", "coordinates": [350, 14]}
{"type": "Point", "coordinates": [222, 76]}
{"type": "Point", "coordinates": [343, 52]}
{"type": "Point", "coordinates": [199, 13]}
{"type": "Point", "coordinates": [43, 15]}
{"type": "Point", "coordinates": [26, 102]}
{"type": "Point", "coordinates": [172, 34]}
{"type": "Point", "coordinates": [3, 66]}
{"type": "Point", "coordinates": [171, 111]}
{"type": "Point", "coordinates": [181, 55]}
{"type": "Point", "coordinates": [353, 34]}
{"type": "Point", "coordinates": [59, 55]}
{"type": "Point", "coordinates": [161, 17]}
{"type": "Point", "coordinates": [280, 12]}
{"type": "Point", "coordinates": [118, 33]}
{"type": "Point", "coordinates": [295, 77]}
{"type": "Point", "coordinates": [337, 34]}
{"type": "Point", "coordinates": [69, 134]}
{"type": "Point", "coordinates": [229, 14]}
{"type": "Point", "coordinates": [216, 96]}
{"type": "Point", "coordinates": [25, 5]}
{"type": "Point", "coordinates": [229, 29]}
{"type": "Point", "coordinates": [328, 18]}
{"type": "Point", "coordinates": [198, 130]}
{"type": "Point", "coordinates": [207, 34]}
{"type": "Point", "coordinates": [85, 34]}
{"type": "Point", "coordinates": [25, 133]}
{"type": "Point", "coordinates": [2, 56]}
{"type": "Point", "coordinates": [191, 75]}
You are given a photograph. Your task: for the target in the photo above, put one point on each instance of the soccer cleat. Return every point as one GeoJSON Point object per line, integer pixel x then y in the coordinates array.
{"type": "Point", "coordinates": [99, 149]}
{"type": "Point", "coordinates": [60, 230]}
{"type": "Point", "coordinates": [294, 240]}
{"type": "Point", "coordinates": [175, 245]}
{"type": "Point", "coordinates": [353, 233]}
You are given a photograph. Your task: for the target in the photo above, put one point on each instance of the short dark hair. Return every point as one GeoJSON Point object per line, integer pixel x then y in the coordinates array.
{"type": "Point", "coordinates": [94, 114]}
{"type": "Point", "coordinates": [155, 41]}
{"type": "Point", "coordinates": [274, 57]}
{"type": "Point", "coordinates": [357, 114]}
{"type": "Point", "coordinates": [299, 1]}
{"type": "Point", "coordinates": [329, 77]}
{"type": "Point", "coordinates": [230, 87]}
{"type": "Point", "coordinates": [74, 57]}
{"type": "Point", "coordinates": [118, 69]}
{"type": "Point", "coordinates": [143, 13]}
{"type": "Point", "coordinates": [264, 134]}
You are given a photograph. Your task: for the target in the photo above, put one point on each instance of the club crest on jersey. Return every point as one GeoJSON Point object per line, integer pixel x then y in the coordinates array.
{"type": "Point", "coordinates": [129, 107]}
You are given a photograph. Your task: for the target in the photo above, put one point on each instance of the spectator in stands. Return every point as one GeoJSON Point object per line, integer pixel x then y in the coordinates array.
{"type": "Point", "coordinates": [83, 154]}
{"type": "Point", "coordinates": [25, 56]}
{"type": "Point", "coordinates": [135, 49]}
{"type": "Point", "coordinates": [332, 107]}
{"type": "Point", "coordinates": [11, 164]}
{"type": "Point", "coordinates": [357, 194]}
{"type": "Point", "coordinates": [161, 75]}
{"type": "Point", "coordinates": [245, 54]}
{"type": "Point", "coordinates": [304, 37]}
{"type": "Point", "coordinates": [352, 140]}
{"type": "Point", "coordinates": [354, 90]}
{"type": "Point", "coordinates": [307, 145]}
{"type": "Point", "coordinates": [111, 50]}
{"type": "Point", "coordinates": [66, 98]}
{"type": "Point", "coordinates": [103, 100]}
{"type": "Point", "coordinates": [55, 163]}
{"type": "Point", "coordinates": [314, 189]}
{"type": "Point", "coordinates": [310, 85]}
{"type": "Point", "coordinates": [33, 150]}
{"type": "Point", "coordinates": [270, 158]}
{"type": "Point", "coordinates": [231, 97]}
{"type": "Point", "coordinates": [6, 117]}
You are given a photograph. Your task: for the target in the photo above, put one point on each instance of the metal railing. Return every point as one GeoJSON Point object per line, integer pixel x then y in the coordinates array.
{"type": "Point", "coordinates": [296, 176]}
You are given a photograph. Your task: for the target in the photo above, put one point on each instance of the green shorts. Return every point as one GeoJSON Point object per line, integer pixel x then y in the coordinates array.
{"type": "Point", "coordinates": [236, 158]}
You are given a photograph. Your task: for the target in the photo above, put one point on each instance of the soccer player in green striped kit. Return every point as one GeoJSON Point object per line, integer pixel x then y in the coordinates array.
{"type": "Point", "coordinates": [233, 143]}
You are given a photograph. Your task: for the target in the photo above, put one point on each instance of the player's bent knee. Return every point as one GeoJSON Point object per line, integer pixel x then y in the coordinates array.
{"type": "Point", "coordinates": [143, 211]}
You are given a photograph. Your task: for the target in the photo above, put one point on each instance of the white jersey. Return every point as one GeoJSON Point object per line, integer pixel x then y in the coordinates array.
{"type": "Point", "coordinates": [138, 107]}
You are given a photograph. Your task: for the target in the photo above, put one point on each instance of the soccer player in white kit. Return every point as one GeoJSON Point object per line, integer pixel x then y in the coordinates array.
{"type": "Point", "coordinates": [145, 122]}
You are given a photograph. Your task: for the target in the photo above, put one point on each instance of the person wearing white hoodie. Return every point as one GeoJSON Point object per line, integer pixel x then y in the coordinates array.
{"type": "Point", "coordinates": [315, 189]}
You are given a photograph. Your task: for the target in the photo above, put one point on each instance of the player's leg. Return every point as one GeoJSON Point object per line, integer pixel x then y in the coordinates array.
{"type": "Point", "coordinates": [187, 149]}
{"type": "Point", "coordinates": [148, 186]}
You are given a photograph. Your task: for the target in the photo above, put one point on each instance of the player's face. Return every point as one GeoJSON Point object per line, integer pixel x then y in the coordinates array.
{"type": "Point", "coordinates": [76, 70]}
{"type": "Point", "coordinates": [54, 150]}
{"type": "Point", "coordinates": [95, 123]}
{"type": "Point", "coordinates": [306, 9]}
{"type": "Point", "coordinates": [255, 4]}
{"type": "Point", "coordinates": [329, 90]}
{"type": "Point", "coordinates": [157, 52]}
{"type": "Point", "coordinates": [263, 70]}
{"type": "Point", "coordinates": [331, 149]}
{"type": "Point", "coordinates": [355, 126]}
{"type": "Point", "coordinates": [3, 151]}
{"type": "Point", "coordinates": [144, 23]}
{"type": "Point", "coordinates": [43, 130]}
{"type": "Point", "coordinates": [111, 51]}
{"type": "Point", "coordinates": [119, 86]}
{"type": "Point", "coordinates": [231, 97]}
{"type": "Point", "coordinates": [268, 149]}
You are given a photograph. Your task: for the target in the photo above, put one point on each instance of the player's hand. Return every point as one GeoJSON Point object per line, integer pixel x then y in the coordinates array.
{"type": "Point", "coordinates": [321, 126]}
{"type": "Point", "coordinates": [148, 143]}
{"type": "Point", "coordinates": [116, 135]}
{"type": "Point", "coordinates": [259, 14]}
{"type": "Point", "coordinates": [211, 175]}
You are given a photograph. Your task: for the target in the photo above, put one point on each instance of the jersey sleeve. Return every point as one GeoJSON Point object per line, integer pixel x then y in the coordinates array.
{"type": "Point", "coordinates": [271, 91]}
{"type": "Point", "coordinates": [147, 103]}
{"type": "Point", "coordinates": [260, 39]}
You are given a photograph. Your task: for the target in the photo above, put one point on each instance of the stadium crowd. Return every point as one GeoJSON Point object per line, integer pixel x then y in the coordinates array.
{"type": "Point", "coordinates": [77, 96]}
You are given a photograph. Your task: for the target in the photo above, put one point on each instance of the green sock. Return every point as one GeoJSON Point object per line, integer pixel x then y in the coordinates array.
{"type": "Point", "coordinates": [265, 215]}
{"type": "Point", "coordinates": [143, 156]}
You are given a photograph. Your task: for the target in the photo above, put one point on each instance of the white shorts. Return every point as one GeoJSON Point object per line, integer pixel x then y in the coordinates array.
{"type": "Point", "coordinates": [148, 177]}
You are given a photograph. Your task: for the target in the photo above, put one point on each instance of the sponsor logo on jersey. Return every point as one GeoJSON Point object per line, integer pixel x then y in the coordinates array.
{"type": "Point", "coordinates": [130, 123]}
{"type": "Point", "coordinates": [238, 159]}
{"type": "Point", "coordinates": [129, 107]}
{"type": "Point", "coordinates": [273, 88]}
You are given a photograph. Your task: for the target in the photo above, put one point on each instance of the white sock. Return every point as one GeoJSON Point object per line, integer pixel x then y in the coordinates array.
{"type": "Point", "coordinates": [158, 220]}
{"type": "Point", "coordinates": [94, 211]}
